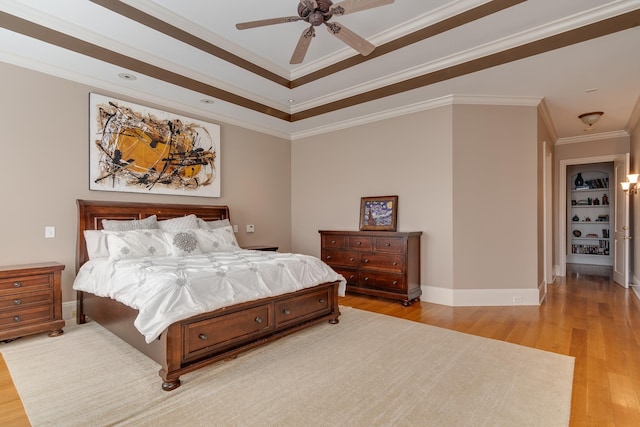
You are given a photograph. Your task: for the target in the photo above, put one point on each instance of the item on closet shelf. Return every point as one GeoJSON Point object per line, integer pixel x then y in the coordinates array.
{"type": "Point", "coordinates": [605, 200]}
{"type": "Point", "coordinates": [575, 218]}
{"type": "Point", "coordinates": [583, 202]}
{"type": "Point", "coordinates": [579, 182]}
{"type": "Point", "coordinates": [577, 233]}
{"type": "Point", "coordinates": [587, 219]}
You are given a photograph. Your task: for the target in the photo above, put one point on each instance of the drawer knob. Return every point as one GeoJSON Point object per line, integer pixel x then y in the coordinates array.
{"type": "Point", "coordinates": [366, 278]}
{"type": "Point", "coordinates": [328, 256]}
{"type": "Point", "coordinates": [351, 259]}
{"type": "Point", "coordinates": [321, 300]}
{"type": "Point", "coordinates": [17, 301]}
{"type": "Point", "coordinates": [258, 319]}
{"type": "Point", "coordinates": [286, 311]}
{"type": "Point", "coordinates": [333, 242]}
{"type": "Point", "coordinates": [359, 243]}
{"type": "Point", "coordinates": [16, 318]}
{"type": "Point", "coordinates": [17, 284]}
{"type": "Point", "coordinates": [395, 282]}
{"type": "Point", "coordinates": [388, 244]}
{"type": "Point", "coordinates": [395, 262]}
{"type": "Point", "coordinates": [365, 260]}
{"type": "Point", "coordinates": [203, 337]}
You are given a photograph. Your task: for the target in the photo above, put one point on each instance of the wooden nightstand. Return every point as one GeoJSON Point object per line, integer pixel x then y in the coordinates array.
{"type": "Point", "coordinates": [262, 248]}
{"type": "Point", "coordinates": [30, 300]}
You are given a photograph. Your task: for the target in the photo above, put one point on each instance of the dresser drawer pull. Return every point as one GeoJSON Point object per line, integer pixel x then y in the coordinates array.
{"type": "Point", "coordinates": [395, 282]}
{"type": "Point", "coordinates": [351, 259]}
{"type": "Point", "coordinates": [359, 243]}
{"type": "Point", "coordinates": [388, 244]}
{"type": "Point", "coordinates": [328, 256]}
{"type": "Point", "coordinates": [366, 278]}
{"type": "Point", "coordinates": [16, 318]}
{"type": "Point", "coordinates": [286, 311]}
{"type": "Point", "coordinates": [17, 284]}
{"type": "Point", "coordinates": [258, 319]}
{"type": "Point", "coordinates": [333, 242]}
{"type": "Point", "coordinates": [203, 337]}
{"type": "Point", "coordinates": [365, 260]}
{"type": "Point", "coordinates": [321, 301]}
{"type": "Point", "coordinates": [17, 301]}
{"type": "Point", "coordinates": [394, 263]}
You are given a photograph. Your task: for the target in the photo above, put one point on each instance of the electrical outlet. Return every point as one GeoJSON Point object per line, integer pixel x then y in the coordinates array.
{"type": "Point", "coordinates": [49, 232]}
{"type": "Point", "coordinates": [517, 299]}
{"type": "Point", "coordinates": [235, 228]}
{"type": "Point", "coordinates": [251, 228]}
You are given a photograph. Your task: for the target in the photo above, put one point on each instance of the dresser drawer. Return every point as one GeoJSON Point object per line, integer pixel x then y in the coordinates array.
{"type": "Point", "coordinates": [380, 261]}
{"type": "Point", "coordinates": [333, 241]}
{"type": "Point", "coordinates": [389, 244]}
{"type": "Point", "coordinates": [25, 316]}
{"type": "Point", "coordinates": [310, 305]}
{"type": "Point", "coordinates": [360, 243]}
{"type": "Point", "coordinates": [350, 274]}
{"type": "Point", "coordinates": [13, 285]}
{"type": "Point", "coordinates": [381, 280]}
{"type": "Point", "coordinates": [340, 257]}
{"type": "Point", "coordinates": [25, 299]}
{"type": "Point", "coordinates": [211, 335]}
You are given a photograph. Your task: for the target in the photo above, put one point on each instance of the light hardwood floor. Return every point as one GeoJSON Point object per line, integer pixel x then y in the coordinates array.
{"type": "Point", "coordinates": [585, 315]}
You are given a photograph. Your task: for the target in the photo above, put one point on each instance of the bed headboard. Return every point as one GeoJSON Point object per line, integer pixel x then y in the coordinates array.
{"type": "Point", "coordinates": [92, 212]}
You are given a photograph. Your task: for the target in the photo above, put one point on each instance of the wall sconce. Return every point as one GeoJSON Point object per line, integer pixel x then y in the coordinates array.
{"type": "Point", "coordinates": [589, 119]}
{"type": "Point", "coordinates": [631, 186]}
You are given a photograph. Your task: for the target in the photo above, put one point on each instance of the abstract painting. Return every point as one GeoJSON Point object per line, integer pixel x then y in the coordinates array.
{"type": "Point", "coordinates": [143, 150]}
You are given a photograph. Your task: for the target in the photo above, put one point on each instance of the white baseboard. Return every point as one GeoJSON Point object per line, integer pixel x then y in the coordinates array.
{"type": "Point", "coordinates": [480, 297]}
{"type": "Point", "coordinates": [69, 311]}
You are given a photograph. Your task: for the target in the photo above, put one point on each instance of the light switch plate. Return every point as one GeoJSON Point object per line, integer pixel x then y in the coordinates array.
{"type": "Point", "coordinates": [49, 232]}
{"type": "Point", "coordinates": [251, 228]}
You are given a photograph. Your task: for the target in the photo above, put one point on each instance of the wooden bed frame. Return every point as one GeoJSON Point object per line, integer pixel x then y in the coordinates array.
{"type": "Point", "coordinates": [200, 340]}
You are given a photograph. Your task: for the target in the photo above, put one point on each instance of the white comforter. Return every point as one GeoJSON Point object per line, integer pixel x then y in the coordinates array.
{"type": "Point", "coordinates": [168, 289]}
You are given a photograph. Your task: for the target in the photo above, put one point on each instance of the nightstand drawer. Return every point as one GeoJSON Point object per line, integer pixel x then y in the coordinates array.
{"type": "Point", "coordinates": [13, 318]}
{"type": "Point", "coordinates": [16, 284]}
{"type": "Point", "coordinates": [25, 299]}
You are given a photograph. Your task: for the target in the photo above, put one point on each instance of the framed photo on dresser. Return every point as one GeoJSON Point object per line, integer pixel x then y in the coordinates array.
{"type": "Point", "coordinates": [379, 213]}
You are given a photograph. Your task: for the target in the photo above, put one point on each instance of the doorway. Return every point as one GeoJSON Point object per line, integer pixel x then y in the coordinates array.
{"type": "Point", "coordinates": [619, 218]}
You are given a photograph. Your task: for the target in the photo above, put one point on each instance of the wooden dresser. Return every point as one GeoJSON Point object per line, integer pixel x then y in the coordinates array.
{"type": "Point", "coordinates": [30, 300]}
{"type": "Point", "coordinates": [379, 263]}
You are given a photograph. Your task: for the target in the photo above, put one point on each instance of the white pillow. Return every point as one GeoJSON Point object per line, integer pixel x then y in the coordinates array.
{"type": "Point", "coordinates": [149, 222]}
{"type": "Point", "coordinates": [136, 244]}
{"type": "Point", "coordinates": [183, 243]}
{"type": "Point", "coordinates": [96, 243]}
{"type": "Point", "coordinates": [177, 224]}
{"type": "Point", "coordinates": [217, 239]}
{"type": "Point", "coordinates": [219, 223]}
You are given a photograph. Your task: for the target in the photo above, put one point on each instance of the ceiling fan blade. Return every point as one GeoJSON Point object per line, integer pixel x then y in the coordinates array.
{"type": "Point", "coordinates": [264, 22]}
{"type": "Point", "coordinates": [302, 46]}
{"type": "Point", "coordinates": [351, 6]}
{"type": "Point", "coordinates": [350, 38]}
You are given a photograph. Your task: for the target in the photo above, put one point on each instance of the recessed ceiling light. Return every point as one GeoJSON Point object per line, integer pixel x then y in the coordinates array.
{"type": "Point", "coordinates": [207, 101]}
{"type": "Point", "coordinates": [127, 76]}
{"type": "Point", "coordinates": [291, 101]}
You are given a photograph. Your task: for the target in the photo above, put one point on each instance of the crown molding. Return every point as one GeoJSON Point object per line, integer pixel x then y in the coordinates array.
{"type": "Point", "coordinates": [593, 137]}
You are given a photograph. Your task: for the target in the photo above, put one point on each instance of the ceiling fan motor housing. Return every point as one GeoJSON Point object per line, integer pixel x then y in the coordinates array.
{"type": "Point", "coordinates": [317, 16]}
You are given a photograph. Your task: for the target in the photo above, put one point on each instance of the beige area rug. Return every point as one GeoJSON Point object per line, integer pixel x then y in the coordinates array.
{"type": "Point", "coordinates": [369, 370]}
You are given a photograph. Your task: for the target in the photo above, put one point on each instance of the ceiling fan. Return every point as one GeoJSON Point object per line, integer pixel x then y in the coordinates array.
{"type": "Point", "coordinates": [317, 12]}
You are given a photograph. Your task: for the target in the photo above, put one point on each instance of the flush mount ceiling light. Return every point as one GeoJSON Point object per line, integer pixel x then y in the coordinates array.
{"type": "Point", "coordinates": [127, 76]}
{"type": "Point", "coordinates": [590, 118]}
